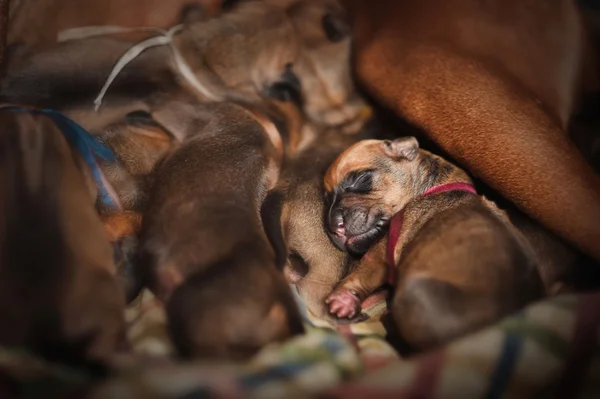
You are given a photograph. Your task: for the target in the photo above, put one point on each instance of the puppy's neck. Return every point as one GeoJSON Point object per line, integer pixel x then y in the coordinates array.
{"type": "Point", "coordinates": [433, 170]}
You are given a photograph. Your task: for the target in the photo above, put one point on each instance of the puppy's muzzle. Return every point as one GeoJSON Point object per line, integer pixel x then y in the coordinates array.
{"type": "Point", "coordinates": [354, 229]}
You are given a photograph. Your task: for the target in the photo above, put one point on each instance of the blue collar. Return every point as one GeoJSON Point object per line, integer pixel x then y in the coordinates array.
{"type": "Point", "coordinates": [85, 143]}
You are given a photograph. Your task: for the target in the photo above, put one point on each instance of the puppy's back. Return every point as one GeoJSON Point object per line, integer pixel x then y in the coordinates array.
{"type": "Point", "coordinates": [461, 268]}
{"type": "Point", "coordinates": [204, 251]}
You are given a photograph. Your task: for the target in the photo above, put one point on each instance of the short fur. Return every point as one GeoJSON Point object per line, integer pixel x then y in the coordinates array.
{"type": "Point", "coordinates": [460, 263]}
{"type": "Point", "coordinates": [59, 295]}
{"type": "Point", "coordinates": [203, 247]}
{"type": "Point", "coordinates": [494, 84]}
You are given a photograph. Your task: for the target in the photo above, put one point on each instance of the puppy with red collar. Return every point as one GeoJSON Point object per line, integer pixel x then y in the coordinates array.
{"type": "Point", "coordinates": [460, 264]}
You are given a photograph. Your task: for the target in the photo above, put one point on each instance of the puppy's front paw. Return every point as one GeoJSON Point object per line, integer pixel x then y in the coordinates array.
{"type": "Point", "coordinates": [343, 304]}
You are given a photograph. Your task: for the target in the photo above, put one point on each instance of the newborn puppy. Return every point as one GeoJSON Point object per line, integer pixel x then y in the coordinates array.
{"type": "Point", "coordinates": [329, 95]}
{"type": "Point", "coordinates": [460, 264]}
{"type": "Point", "coordinates": [203, 247]}
{"type": "Point", "coordinates": [58, 293]}
{"type": "Point", "coordinates": [295, 210]}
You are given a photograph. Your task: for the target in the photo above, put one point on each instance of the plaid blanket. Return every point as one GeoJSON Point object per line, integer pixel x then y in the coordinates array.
{"type": "Point", "coordinates": [549, 349]}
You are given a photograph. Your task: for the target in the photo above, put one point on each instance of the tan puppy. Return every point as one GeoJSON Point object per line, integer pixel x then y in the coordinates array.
{"type": "Point", "coordinates": [295, 210]}
{"type": "Point", "coordinates": [330, 96]}
{"type": "Point", "coordinates": [59, 296]}
{"type": "Point", "coordinates": [460, 264]}
{"type": "Point", "coordinates": [203, 247]}
{"type": "Point", "coordinates": [494, 84]}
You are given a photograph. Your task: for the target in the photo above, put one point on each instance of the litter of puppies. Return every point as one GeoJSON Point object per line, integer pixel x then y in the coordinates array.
{"type": "Point", "coordinates": [229, 173]}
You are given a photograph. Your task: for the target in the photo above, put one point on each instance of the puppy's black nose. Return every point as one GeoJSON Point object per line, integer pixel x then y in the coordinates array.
{"type": "Point", "coordinates": [336, 223]}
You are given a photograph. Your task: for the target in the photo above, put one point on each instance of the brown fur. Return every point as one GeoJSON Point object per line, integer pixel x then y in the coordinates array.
{"type": "Point", "coordinates": [245, 53]}
{"type": "Point", "coordinates": [460, 263]}
{"type": "Point", "coordinates": [238, 54]}
{"type": "Point", "coordinates": [139, 144]}
{"type": "Point", "coordinates": [494, 84]}
{"type": "Point", "coordinates": [295, 208]}
{"type": "Point", "coordinates": [203, 245]}
{"type": "Point", "coordinates": [324, 67]}
{"type": "Point", "coordinates": [59, 293]}
{"type": "Point", "coordinates": [29, 23]}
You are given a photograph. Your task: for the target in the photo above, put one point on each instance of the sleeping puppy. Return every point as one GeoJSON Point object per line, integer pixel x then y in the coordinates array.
{"type": "Point", "coordinates": [460, 263]}
{"type": "Point", "coordinates": [293, 214]}
{"type": "Point", "coordinates": [330, 97]}
{"type": "Point", "coordinates": [58, 292]}
{"type": "Point", "coordinates": [203, 247]}
{"type": "Point", "coordinates": [140, 143]}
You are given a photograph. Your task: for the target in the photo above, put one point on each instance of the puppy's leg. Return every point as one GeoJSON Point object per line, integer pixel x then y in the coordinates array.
{"type": "Point", "coordinates": [370, 274]}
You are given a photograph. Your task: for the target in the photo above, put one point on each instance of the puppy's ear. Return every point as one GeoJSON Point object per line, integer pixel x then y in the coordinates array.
{"type": "Point", "coordinates": [402, 148]}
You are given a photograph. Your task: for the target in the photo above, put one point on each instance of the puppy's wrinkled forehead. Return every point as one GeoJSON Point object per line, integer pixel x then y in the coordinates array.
{"type": "Point", "coordinates": [364, 155]}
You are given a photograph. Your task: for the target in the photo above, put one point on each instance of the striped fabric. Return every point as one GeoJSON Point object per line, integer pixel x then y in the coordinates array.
{"type": "Point", "coordinates": [548, 350]}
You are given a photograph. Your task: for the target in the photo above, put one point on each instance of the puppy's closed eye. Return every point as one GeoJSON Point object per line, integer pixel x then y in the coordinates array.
{"type": "Point", "coordinates": [360, 182]}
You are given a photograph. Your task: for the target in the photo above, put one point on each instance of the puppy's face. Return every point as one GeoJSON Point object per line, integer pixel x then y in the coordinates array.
{"type": "Point", "coordinates": [324, 82]}
{"type": "Point", "coordinates": [365, 187]}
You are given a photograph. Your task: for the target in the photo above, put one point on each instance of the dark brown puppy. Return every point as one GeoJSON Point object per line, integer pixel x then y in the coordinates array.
{"type": "Point", "coordinates": [140, 143]}
{"type": "Point", "coordinates": [460, 263]}
{"type": "Point", "coordinates": [203, 246]}
{"type": "Point", "coordinates": [58, 292]}
{"type": "Point", "coordinates": [494, 84]}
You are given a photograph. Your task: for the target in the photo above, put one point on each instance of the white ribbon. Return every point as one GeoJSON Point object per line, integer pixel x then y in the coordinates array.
{"type": "Point", "coordinates": [165, 38]}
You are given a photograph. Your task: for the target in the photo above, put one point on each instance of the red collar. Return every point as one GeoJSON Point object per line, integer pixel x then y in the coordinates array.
{"type": "Point", "coordinates": [398, 219]}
